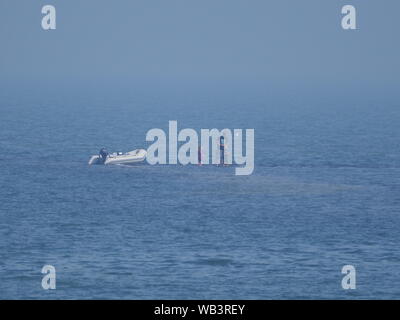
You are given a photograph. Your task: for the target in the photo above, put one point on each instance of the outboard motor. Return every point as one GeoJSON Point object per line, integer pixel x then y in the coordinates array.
{"type": "Point", "coordinates": [103, 155]}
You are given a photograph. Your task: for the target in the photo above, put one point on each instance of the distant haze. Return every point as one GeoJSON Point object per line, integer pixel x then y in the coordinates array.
{"type": "Point", "coordinates": [186, 40]}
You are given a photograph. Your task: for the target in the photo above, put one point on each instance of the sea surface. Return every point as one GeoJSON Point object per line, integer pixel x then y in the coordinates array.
{"type": "Point", "coordinates": [325, 193]}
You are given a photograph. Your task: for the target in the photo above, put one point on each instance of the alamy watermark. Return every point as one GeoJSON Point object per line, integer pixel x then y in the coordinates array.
{"type": "Point", "coordinates": [226, 147]}
{"type": "Point", "coordinates": [349, 280]}
{"type": "Point", "coordinates": [49, 278]}
{"type": "Point", "coordinates": [348, 19]}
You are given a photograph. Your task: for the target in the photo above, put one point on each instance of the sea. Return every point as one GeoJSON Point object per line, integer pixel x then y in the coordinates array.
{"type": "Point", "coordinates": [325, 193]}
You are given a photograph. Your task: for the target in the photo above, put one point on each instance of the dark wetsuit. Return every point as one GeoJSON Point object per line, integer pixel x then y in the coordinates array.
{"type": "Point", "coordinates": [222, 150]}
{"type": "Point", "coordinates": [199, 156]}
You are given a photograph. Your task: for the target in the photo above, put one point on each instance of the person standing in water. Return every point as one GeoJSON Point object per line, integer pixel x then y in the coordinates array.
{"type": "Point", "coordinates": [199, 155]}
{"type": "Point", "coordinates": [222, 150]}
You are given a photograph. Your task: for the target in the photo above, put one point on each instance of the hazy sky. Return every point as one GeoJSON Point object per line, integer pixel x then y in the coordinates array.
{"type": "Point", "coordinates": [279, 40]}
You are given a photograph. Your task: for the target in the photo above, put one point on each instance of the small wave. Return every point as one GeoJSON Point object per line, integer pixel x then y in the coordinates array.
{"type": "Point", "coordinates": [214, 262]}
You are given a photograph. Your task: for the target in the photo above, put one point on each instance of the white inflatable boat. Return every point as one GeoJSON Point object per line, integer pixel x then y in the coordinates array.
{"type": "Point", "coordinates": [130, 157]}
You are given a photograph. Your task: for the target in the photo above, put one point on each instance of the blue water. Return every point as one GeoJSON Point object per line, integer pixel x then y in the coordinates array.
{"type": "Point", "coordinates": [325, 192]}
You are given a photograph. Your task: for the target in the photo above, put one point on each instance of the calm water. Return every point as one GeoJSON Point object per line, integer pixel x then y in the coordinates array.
{"type": "Point", "coordinates": [325, 192]}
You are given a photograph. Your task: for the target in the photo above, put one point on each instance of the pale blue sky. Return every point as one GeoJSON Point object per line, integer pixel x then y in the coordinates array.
{"type": "Point", "coordinates": [279, 41]}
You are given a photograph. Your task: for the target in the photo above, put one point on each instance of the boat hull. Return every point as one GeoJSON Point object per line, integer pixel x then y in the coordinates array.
{"type": "Point", "coordinates": [131, 157]}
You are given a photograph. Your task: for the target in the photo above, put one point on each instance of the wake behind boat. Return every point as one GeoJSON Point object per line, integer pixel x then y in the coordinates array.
{"type": "Point", "coordinates": [130, 157]}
